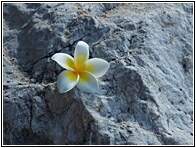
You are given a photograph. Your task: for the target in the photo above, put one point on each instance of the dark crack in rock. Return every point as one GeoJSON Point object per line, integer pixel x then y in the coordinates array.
{"type": "Point", "coordinates": [146, 97]}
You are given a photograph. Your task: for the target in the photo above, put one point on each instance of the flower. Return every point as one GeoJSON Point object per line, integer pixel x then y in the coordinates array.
{"type": "Point", "coordinates": [80, 70]}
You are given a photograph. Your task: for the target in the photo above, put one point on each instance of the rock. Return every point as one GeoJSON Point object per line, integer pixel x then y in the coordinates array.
{"type": "Point", "coordinates": [146, 97]}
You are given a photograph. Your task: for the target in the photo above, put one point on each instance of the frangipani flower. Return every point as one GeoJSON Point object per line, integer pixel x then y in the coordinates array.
{"type": "Point", "coordinates": [80, 70]}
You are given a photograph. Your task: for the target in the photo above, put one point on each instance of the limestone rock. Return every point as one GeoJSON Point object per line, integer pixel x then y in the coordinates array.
{"type": "Point", "coordinates": [146, 97]}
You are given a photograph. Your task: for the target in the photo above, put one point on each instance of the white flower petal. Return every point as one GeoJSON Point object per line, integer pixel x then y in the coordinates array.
{"type": "Point", "coordinates": [98, 67]}
{"type": "Point", "coordinates": [65, 60]}
{"type": "Point", "coordinates": [67, 80]}
{"type": "Point", "coordinates": [81, 53]}
{"type": "Point", "coordinates": [87, 83]}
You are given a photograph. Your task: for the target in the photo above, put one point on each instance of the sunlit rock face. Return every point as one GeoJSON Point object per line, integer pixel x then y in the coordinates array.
{"type": "Point", "coordinates": [145, 98]}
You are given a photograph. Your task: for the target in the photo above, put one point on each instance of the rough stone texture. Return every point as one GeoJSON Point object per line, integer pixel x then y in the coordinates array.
{"type": "Point", "coordinates": [146, 97]}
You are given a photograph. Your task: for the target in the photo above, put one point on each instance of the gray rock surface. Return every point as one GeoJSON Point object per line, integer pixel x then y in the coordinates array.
{"type": "Point", "coordinates": [146, 96]}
